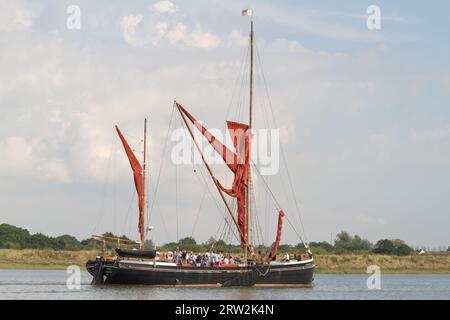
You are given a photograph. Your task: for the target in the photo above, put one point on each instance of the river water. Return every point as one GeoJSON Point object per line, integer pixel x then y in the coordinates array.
{"type": "Point", "coordinates": [51, 284]}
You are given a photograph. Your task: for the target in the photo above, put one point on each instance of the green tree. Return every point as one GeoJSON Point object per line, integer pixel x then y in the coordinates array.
{"type": "Point", "coordinates": [403, 250]}
{"type": "Point", "coordinates": [343, 241]}
{"type": "Point", "coordinates": [384, 247]}
{"type": "Point", "coordinates": [13, 237]}
{"type": "Point", "coordinates": [91, 244]}
{"type": "Point", "coordinates": [69, 242]}
{"type": "Point", "coordinates": [210, 241]}
{"type": "Point", "coordinates": [318, 247]}
{"type": "Point", "coordinates": [359, 244]}
{"type": "Point", "coordinates": [40, 241]}
{"type": "Point", "coordinates": [149, 244]}
{"type": "Point", "coordinates": [188, 244]}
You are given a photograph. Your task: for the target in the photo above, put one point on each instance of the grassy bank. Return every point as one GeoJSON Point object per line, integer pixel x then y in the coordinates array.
{"type": "Point", "coordinates": [326, 264]}
{"type": "Point", "coordinates": [350, 264]}
{"type": "Point", "coordinates": [43, 259]}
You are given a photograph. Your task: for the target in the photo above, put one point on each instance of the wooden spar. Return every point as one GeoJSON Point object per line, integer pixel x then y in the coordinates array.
{"type": "Point", "coordinates": [211, 174]}
{"type": "Point", "coordinates": [144, 185]}
{"type": "Point", "coordinates": [102, 238]}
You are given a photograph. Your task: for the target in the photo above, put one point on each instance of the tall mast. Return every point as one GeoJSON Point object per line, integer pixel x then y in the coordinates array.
{"type": "Point", "coordinates": [251, 78]}
{"type": "Point", "coordinates": [250, 120]}
{"type": "Point", "coordinates": [144, 183]}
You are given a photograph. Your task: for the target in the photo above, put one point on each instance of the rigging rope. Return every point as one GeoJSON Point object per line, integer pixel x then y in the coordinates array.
{"type": "Point", "coordinates": [102, 204]}
{"type": "Point", "coordinates": [154, 202]}
{"type": "Point", "coordinates": [281, 146]}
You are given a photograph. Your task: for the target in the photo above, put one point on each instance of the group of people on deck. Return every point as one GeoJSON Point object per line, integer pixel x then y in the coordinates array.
{"type": "Point", "coordinates": [217, 258]}
{"type": "Point", "coordinates": [208, 259]}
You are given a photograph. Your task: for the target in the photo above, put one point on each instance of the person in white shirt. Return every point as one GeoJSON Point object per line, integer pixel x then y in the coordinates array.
{"type": "Point", "coordinates": [286, 257]}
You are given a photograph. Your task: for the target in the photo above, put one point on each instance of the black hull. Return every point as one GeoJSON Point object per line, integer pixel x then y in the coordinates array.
{"type": "Point", "coordinates": [141, 273]}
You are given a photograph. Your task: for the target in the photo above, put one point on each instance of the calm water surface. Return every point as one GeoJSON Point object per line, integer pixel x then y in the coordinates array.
{"type": "Point", "coordinates": [51, 284]}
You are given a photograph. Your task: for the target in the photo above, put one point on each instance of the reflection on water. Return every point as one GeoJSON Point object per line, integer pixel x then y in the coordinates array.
{"type": "Point", "coordinates": [51, 284]}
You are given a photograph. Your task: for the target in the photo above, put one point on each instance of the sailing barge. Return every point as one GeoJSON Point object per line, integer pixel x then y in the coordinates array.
{"type": "Point", "coordinates": [143, 267]}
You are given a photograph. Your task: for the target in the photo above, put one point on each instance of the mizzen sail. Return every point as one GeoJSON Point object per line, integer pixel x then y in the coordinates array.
{"type": "Point", "coordinates": [138, 182]}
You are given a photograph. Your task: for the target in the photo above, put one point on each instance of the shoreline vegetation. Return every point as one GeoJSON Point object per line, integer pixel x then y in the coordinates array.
{"type": "Point", "coordinates": [19, 249]}
{"type": "Point", "coordinates": [48, 259]}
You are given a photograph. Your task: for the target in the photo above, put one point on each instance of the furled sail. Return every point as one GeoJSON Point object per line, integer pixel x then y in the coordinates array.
{"type": "Point", "coordinates": [241, 140]}
{"type": "Point", "coordinates": [137, 174]}
{"type": "Point", "coordinates": [238, 163]}
{"type": "Point", "coordinates": [279, 230]}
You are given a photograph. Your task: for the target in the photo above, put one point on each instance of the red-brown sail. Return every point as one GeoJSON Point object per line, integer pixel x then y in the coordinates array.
{"type": "Point", "coordinates": [280, 227]}
{"type": "Point", "coordinates": [241, 140]}
{"type": "Point", "coordinates": [137, 174]}
{"type": "Point", "coordinates": [238, 164]}
{"type": "Point", "coordinates": [228, 156]}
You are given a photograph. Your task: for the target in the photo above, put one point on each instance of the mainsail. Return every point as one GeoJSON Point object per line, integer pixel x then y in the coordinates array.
{"type": "Point", "coordinates": [238, 163]}
{"type": "Point", "coordinates": [138, 182]}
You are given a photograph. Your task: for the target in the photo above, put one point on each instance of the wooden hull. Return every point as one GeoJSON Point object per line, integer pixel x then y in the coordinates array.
{"type": "Point", "coordinates": [299, 274]}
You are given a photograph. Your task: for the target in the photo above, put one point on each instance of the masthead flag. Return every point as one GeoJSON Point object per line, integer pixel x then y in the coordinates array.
{"type": "Point", "coordinates": [246, 12]}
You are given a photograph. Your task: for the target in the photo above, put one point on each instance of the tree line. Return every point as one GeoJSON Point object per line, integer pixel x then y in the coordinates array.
{"type": "Point", "coordinates": [12, 237]}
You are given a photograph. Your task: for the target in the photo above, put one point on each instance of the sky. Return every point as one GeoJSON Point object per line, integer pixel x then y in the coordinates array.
{"type": "Point", "coordinates": [364, 115]}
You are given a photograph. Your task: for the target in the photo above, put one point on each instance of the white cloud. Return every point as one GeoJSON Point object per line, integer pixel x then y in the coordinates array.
{"type": "Point", "coordinates": [161, 30]}
{"type": "Point", "coordinates": [197, 38]}
{"type": "Point", "coordinates": [432, 135]}
{"type": "Point", "coordinates": [128, 25]}
{"type": "Point", "coordinates": [165, 6]}
{"type": "Point", "coordinates": [15, 15]}
{"type": "Point", "coordinates": [237, 38]}
{"type": "Point", "coordinates": [369, 219]}
{"type": "Point", "coordinates": [21, 158]}
{"type": "Point", "coordinates": [316, 24]}
{"type": "Point", "coordinates": [177, 33]}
